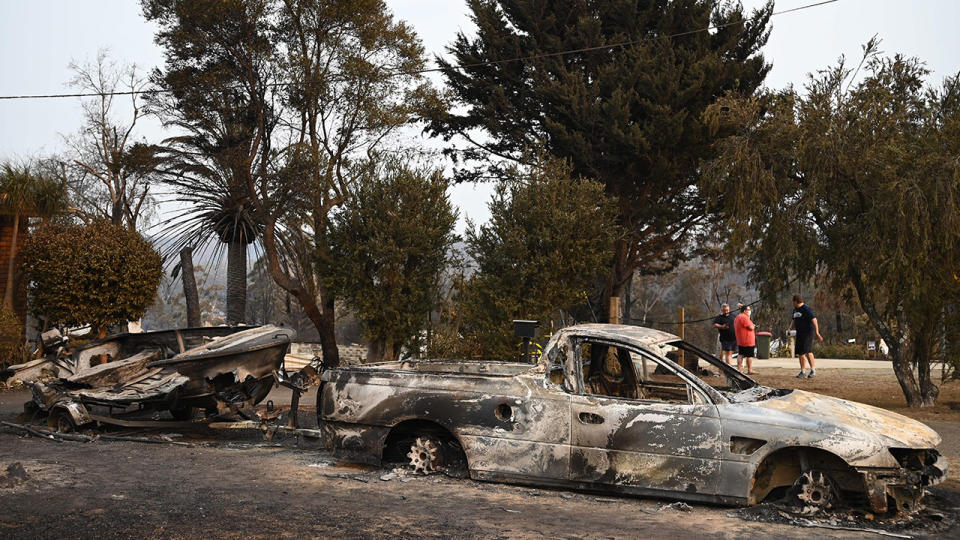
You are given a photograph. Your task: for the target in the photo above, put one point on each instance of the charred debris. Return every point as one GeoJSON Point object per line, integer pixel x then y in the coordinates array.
{"type": "Point", "coordinates": [129, 379]}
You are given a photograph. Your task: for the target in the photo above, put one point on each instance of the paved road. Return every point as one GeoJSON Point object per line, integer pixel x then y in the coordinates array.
{"type": "Point", "coordinates": [827, 363]}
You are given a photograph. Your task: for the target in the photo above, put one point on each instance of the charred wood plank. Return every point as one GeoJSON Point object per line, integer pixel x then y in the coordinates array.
{"type": "Point", "coordinates": [113, 373]}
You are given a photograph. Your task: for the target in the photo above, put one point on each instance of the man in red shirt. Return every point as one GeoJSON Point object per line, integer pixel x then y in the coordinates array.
{"type": "Point", "coordinates": [746, 339]}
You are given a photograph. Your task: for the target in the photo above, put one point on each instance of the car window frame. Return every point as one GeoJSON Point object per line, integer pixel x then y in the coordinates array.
{"type": "Point", "coordinates": [712, 360]}
{"type": "Point", "coordinates": [696, 385]}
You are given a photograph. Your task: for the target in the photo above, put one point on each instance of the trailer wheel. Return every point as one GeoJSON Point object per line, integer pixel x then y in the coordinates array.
{"type": "Point", "coordinates": [183, 414]}
{"type": "Point", "coordinates": [62, 422]}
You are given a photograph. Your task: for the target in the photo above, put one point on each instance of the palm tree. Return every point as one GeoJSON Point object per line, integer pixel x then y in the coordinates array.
{"type": "Point", "coordinates": [218, 78]}
{"type": "Point", "coordinates": [218, 210]}
{"type": "Point", "coordinates": [25, 193]}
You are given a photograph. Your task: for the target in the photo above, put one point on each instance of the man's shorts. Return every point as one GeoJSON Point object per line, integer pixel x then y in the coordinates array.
{"type": "Point", "coordinates": [747, 352]}
{"type": "Point", "coordinates": [728, 345]}
{"type": "Point", "coordinates": [804, 343]}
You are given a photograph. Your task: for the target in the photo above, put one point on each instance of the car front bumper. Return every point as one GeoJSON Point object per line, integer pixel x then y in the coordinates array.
{"type": "Point", "coordinates": [904, 486]}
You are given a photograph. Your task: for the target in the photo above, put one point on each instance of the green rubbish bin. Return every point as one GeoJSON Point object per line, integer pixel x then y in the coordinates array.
{"type": "Point", "coordinates": [763, 345]}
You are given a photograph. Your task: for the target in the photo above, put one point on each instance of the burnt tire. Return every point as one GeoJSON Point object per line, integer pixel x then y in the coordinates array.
{"type": "Point", "coordinates": [184, 414]}
{"type": "Point", "coordinates": [62, 422]}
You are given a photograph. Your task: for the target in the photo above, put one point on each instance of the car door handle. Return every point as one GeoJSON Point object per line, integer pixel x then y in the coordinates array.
{"type": "Point", "coordinates": [590, 418]}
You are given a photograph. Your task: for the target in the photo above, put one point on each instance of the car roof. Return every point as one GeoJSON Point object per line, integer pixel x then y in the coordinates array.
{"type": "Point", "coordinates": [621, 332]}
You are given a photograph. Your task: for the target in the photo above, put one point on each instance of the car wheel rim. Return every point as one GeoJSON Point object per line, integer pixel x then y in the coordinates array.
{"type": "Point", "coordinates": [423, 455]}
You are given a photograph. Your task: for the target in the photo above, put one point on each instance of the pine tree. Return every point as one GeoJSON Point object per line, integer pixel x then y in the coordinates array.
{"type": "Point", "coordinates": [626, 110]}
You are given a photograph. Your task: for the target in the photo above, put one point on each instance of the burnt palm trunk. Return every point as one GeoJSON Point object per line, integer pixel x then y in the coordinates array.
{"type": "Point", "coordinates": [11, 264]}
{"type": "Point", "coordinates": [236, 281]}
{"type": "Point", "coordinates": [190, 293]}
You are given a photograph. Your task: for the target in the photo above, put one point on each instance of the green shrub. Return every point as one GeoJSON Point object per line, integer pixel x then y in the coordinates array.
{"type": "Point", "coordinates": [11, 338]}
{"type": "Point", "coordinates": [96, 274]}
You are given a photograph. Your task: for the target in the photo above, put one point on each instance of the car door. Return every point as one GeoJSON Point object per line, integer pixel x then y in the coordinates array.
{"type": "Point", "coordinates": [522, 433]}
{"type": "Point", "coordinates": [650, 441]}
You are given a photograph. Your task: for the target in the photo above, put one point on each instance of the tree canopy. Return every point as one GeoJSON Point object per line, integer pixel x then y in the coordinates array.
{"type": "Point", "coordinates": [390, 245]}
{"type": "Point", "coordinates": [856, 182]}
{"type": "Point", "coordinates": [548, 238]}
{"type": "Point", "coordinates": [626, 110]}
{"type": "Point", "coordinates": [110, 173]}
{"type": "Point", "coordinates": [26, 192]}
{"type": "Point", "coordinates": [275, 160]}
{"type": "Point", "coordinates": [355, 81]}
{"type": "Point", "coordinates": [97, 274]}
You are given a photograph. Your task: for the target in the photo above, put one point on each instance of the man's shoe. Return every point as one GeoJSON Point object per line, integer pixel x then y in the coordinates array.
{"type": "Point", "coordinates": [801, 375]}
{"type": "Point", "coordinates": [810, 375]}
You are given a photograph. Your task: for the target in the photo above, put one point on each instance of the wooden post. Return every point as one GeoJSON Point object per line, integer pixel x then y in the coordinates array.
{"type": "Point", "coordinates": [614, 317]}
{"type": "Point", "coordinates": [680, 358]}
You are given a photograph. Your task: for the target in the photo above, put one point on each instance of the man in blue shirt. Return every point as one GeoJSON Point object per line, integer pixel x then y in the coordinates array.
{"type": "Point", "coordinates": [805, 322]}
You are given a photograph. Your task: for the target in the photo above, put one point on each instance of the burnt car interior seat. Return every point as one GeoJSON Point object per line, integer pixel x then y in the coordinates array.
{"type": "Point", "coordinates": [611, 373]}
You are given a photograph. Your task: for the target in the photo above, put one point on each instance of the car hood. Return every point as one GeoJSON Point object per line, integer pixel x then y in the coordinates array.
{"type": "Point", "coordinates": [838, 416]}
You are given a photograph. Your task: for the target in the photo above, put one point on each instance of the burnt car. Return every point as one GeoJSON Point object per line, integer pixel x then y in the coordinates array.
{"type": "Point", "coordinates": [612, 408]}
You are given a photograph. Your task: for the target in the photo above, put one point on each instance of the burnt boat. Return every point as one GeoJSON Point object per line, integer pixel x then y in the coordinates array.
{"type": "Point", "coordinates": [182, 371]}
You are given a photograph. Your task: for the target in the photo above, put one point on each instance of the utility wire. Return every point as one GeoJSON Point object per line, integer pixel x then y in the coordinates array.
{"type": "Point", "coordinates": [757, 301]}
{"type": "Point", "coordinates": [648, 321]}
{"type": "Point", "coordinates": [457, 67]}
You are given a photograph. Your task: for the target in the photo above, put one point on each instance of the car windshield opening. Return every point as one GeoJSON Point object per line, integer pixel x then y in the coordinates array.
{"type": "Point", "coordinates": [709, 368]}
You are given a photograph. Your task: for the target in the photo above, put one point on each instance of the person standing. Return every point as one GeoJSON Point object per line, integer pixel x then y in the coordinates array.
{"type": "Point", "coordinates": [746, 333]}
{"type": "Point", "coordinates": [805, 323]}
{"type": "Point", "coordinates": [728, 338]}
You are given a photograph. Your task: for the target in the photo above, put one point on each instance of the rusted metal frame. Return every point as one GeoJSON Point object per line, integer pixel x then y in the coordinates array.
{"type": "Point", "coordinates": [904, 486]}
{"type": "Point", "coordinates": [112, 420]}
{"type": "Point", "coordinates": [265, 427]}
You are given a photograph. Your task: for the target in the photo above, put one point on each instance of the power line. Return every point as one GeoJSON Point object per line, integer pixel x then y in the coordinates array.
{"type": "Point", "coordinates": [757, 301]}
{"type": "Point", "coordinates": [649, 322]}
{"type": "Point", "coordinates": [457, 67]}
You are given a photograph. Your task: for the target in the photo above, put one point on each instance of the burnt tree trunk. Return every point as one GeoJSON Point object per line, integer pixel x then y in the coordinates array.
{"type": "Point", "coordinates": [924, 345]}
{"type": "Point", "coordinates": [326, 326]}
{"type": "Point", "coordinates": [190, 293]}
{"type": "Point", "coordinates": [904, 372]}
{"type": "Point", "coordinates": [236, 281]}
{"type": "Point", "coordinates": [11, 265]}
{"type": "Point", "coordinates": [322, 316]}
{"type": "Point", "coordinates": [902, 366]}
{"type": "Point", "coordinates": [617, 279]}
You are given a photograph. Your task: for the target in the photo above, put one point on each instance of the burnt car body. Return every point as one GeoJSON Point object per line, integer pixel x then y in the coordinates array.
{"type": "Point", "coordinates": [608, 408]}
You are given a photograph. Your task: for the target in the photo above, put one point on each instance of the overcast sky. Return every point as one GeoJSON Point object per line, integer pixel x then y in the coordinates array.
{"type": "Point", "coordinates": [39, 38]}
